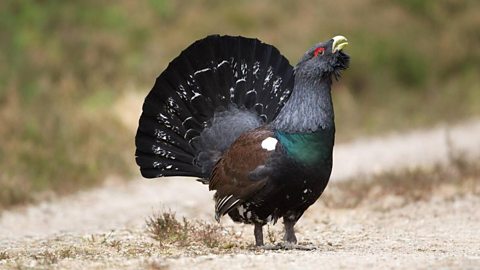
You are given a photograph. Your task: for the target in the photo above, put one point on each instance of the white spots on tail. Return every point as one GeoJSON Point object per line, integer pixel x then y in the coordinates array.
{"type": "Point", "coordinates": [171, 102]}
{"type": "Point", "coordinates": [160, 134]}
{"type": "Point", "coordinates": [182, 91]}
{"type": "Point", "coordinates": [157, 150]}
{"type": "Point", "coordinates": [222, 63]}
{"type": "Point", "coordinates": [162, 116]}
{"type": "Point", "coordinates": [243, 67]}
{"type": "Point", "coordinates": [269, 143]}
{"type": "Point", "coordinates": [201, 71]}
{"type": "Point", "coordinates": [234, 67]}
{"type": "Point", "coordinates": [172, 106]}
{"type": "Point", "coordinates": [269, 76]}
{"type": "Point", "coordinates": [165, 120]}
{"type": "Point", "coordinates": [186, 119]}
{"type": "Point", "coordinates": [195, 95]}
{"type": "Point", "coordinates": [241, 80]}
{"type": "Point", "coordinates": [251, 91]}
{"type": "Point", "coordinates": [276, 86]}
{"type": "Point", "coordinates": [190, 82]}
{"type": "Point", "coordinates": [256, 68]}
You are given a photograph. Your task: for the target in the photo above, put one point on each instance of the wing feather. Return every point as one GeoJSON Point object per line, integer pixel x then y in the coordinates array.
{"type": "Point", "coordinates": [231, 176]}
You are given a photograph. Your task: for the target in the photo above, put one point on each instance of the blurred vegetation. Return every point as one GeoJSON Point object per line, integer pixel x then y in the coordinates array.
{"type": "Point", "coordinates": [385, 191]}
{"type": "Point", "coordinates": [65, 64]}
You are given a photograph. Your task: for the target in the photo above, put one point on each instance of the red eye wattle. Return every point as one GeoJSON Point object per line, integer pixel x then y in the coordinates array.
{"type": "Point", "coordinates": [318, 51]}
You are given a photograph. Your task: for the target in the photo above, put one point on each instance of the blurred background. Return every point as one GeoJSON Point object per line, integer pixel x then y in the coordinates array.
{"type": "Point", "coordinates": [73, 74]}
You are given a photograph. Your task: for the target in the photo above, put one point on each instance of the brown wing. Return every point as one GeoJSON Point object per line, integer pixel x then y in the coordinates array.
{"type": "Point", "coordinates": [230, 176]}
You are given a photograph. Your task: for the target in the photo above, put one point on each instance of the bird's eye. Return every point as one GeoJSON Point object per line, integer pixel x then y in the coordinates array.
{"type": "Point", "coordinates": [318, 51]}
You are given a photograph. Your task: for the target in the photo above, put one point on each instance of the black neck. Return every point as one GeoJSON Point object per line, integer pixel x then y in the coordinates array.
{"type": "Point", "coordinates": [309, 107]}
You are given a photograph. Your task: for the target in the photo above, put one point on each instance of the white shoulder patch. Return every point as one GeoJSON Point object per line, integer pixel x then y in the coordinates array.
{"type": "Point", "coordinates": [269, 144]}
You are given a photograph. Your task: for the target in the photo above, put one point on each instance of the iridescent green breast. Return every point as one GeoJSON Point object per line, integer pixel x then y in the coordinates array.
{"type": "Point", "coordinates": [308, 148]}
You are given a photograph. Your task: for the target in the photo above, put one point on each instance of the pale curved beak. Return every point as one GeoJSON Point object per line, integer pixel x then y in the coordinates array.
{"type": "Point", "coordinates": [339, 42]}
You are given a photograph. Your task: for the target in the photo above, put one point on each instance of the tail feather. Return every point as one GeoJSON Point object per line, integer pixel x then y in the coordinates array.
{"type": "Point", "coordinates": [210, 76]}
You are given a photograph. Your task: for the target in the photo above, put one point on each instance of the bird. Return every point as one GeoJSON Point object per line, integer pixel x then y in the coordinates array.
{"type": "Point", "coordinates": [233, 113]}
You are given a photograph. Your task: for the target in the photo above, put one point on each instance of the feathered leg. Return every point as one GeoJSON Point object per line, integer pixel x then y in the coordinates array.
{"type": "Point", "coordinates": [290, 238]}
{"type": "Point", "coordinates": [289, 231]}
{"type": "Point", "coordinates": [258, 232]}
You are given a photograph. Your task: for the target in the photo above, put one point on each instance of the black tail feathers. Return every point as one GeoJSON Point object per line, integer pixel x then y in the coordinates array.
{"type": "Point", "coordinates": [211, 75]}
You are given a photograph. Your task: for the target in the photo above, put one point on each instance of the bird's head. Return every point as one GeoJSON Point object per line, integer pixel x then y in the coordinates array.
{"type": "Point", "coordinates": [324, 59]}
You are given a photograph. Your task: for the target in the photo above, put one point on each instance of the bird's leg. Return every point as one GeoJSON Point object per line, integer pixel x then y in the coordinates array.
{"type": "Point", "coordinates": [289, 237]}
{"type": "Point", "coordinates": [258, 232]}
{"type": "Point", "coordinates": [259, 239]}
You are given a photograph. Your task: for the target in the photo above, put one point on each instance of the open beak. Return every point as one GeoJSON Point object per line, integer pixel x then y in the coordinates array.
{"type": "Point", "coordinates": [339, 42]}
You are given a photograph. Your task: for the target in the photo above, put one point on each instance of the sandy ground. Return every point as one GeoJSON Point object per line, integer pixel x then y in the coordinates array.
{"type": "Point", "coordinates": [105, 227]}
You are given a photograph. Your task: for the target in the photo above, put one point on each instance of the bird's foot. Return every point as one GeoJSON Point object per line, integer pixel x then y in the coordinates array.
{"type": "Point", "coordinates": [288, 246]}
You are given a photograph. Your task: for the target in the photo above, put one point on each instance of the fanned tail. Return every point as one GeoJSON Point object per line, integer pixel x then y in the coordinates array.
{"type": "Point", "coordinates": [217, 75]}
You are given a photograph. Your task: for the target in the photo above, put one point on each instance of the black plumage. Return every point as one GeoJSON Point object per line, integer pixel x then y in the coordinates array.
{"type": "Point", "coordinates": [233, 112]}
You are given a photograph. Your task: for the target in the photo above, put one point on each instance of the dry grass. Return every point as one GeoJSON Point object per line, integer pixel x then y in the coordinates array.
{"type": "Point", "coordinates": [47, 257]}
{"type": "Point", "coordinates": [395, 189]}
{"type": "Point", "coordinates": [4, 255]}
{"type": "Point", "coordinates": [271, 235]}
{"type": "Point", "coordinates": [168, 231]}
